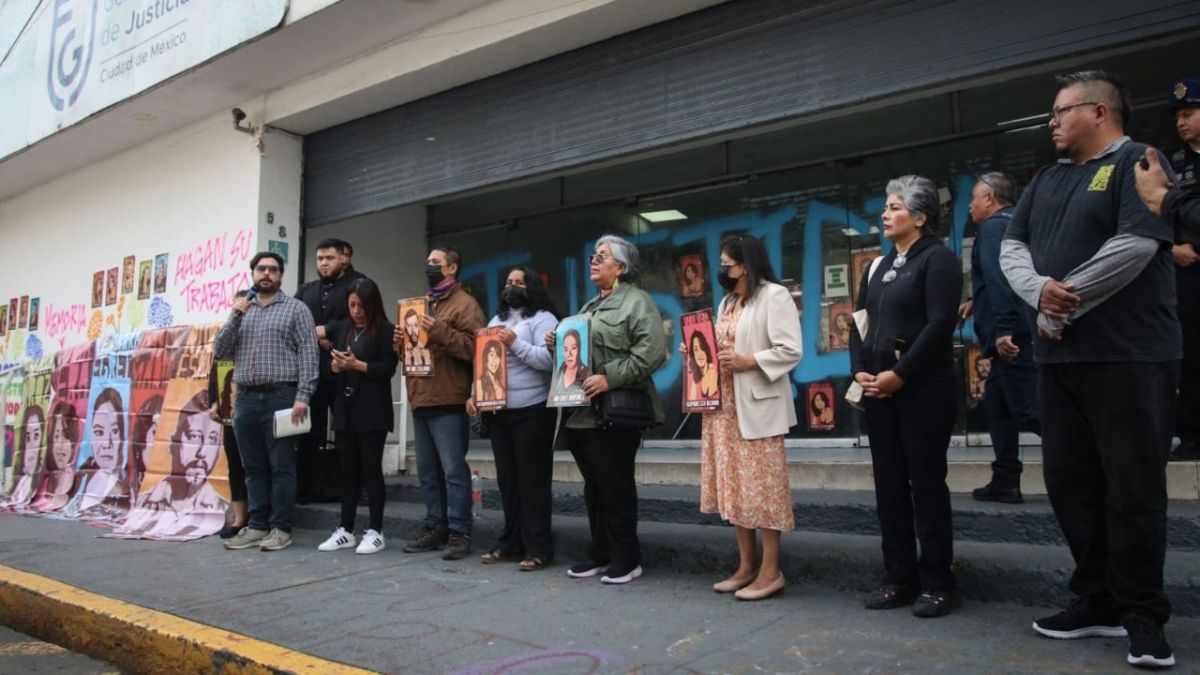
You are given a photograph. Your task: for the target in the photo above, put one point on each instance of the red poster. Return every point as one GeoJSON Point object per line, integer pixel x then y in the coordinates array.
{"type": "Point", "coordinates": [702, 375]}
{"type": "Point", "coordinates": [691, 276]}
{"type": "Point", "coordinates": [841, 318]}
{"type": "Point", "coordinates": [821, 407]}
{"type": "Point", "coordinates": [418, 359]}
{"type": "Point", "coordinates": [491, 370]}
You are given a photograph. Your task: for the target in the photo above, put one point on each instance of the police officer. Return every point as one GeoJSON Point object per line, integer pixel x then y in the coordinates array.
{"type": "Point", "coordinates": [1179, 205]}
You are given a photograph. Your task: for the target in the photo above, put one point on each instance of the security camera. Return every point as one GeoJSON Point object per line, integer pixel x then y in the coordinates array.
{"type": "Point", "coordinates": [238, 115]}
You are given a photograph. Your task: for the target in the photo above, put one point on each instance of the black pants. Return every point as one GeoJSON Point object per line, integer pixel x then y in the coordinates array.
{"type": "Point", "coordinates": [311, 484]}
{"type": "Point", "coordinates": [1106, 435]}
{"type": "Point", "coordinates": [606, 460]}
{"type": "Point", "coordinates": [910, 434]}
{"type": "Point", "coordinates": [361, 456]}
{"type": "Point", "coordinates": [237, 472]}
{"type": "Point", "coordinates": [521, 441]}
{"type": "Point", "coordinates": [1011, 403]}
{"type": "Point", "coordinates": [1187, 416]}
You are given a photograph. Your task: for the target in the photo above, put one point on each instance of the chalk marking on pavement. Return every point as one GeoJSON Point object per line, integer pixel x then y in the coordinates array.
{"type": "Point", "coordinates": [140, 638]}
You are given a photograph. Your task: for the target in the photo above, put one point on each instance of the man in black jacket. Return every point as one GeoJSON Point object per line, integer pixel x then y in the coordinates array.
{"type": "Point", "coordinates": [1010, 397]}
{"type": "Point", "coordinates": [326, 298]}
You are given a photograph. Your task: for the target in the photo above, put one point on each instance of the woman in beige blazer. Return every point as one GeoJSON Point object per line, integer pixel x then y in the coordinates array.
{"type": "Point", "coordinates": [743, 474]}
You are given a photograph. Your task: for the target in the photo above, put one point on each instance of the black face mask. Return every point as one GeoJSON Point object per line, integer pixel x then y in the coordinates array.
{"type": "Point", "coordinates": [727, 282]}
{"type": "Point", "coordinates": [434, 274]}
{"type": "Point", "coordinates": [514, 296]}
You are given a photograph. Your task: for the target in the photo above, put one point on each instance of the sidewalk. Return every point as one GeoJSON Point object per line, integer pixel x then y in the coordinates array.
{"type": "Point", "coordinates": [394, 612]}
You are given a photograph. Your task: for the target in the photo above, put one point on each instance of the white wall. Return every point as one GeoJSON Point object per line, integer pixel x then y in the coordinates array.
{"type": "Point", "coordinates": [192, 194]}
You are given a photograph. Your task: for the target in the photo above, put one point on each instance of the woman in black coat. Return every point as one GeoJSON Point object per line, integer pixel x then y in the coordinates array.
{"type": "Point", "coordinates": [905, 365]}
{"type": "Point", "coordinates": [365, 363]}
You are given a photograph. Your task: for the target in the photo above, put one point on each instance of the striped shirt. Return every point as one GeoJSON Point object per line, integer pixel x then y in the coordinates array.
{"type": "Point", "coordinates": [272, 344]}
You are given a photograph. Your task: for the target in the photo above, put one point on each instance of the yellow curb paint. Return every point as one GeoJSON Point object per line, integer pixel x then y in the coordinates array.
{"type": "Point", "coordinates": [139, 639]}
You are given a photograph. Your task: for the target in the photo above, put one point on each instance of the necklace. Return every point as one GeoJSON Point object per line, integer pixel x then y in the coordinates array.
{"type": "Point", "coordinates": [358, 333]}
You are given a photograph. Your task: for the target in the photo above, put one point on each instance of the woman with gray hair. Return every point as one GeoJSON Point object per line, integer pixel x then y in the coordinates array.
{"type": "Point", "coordinates": [905, 365]}
{"type": "Point", "coordinates": [628, 345]}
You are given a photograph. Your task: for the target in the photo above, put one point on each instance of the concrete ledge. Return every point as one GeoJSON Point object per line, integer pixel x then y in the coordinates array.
{"type": "Point", "coordinates": [138, 639]}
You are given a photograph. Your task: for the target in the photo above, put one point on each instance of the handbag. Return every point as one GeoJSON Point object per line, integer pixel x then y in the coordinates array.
{"type": "Point", "coordinates": [625, 409]}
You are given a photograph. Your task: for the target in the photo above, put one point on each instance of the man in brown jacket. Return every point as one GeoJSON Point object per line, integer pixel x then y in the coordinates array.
{"type": "Point", "coordinates": [439, 408]}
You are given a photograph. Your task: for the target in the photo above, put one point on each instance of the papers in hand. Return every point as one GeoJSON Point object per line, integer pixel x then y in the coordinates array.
{"type": "Point", "coordinates": [284, 426]}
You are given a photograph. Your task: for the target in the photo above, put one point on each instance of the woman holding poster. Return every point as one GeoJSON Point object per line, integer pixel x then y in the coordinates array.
{"type": "Point", "coordinates": [522, 434]}
{"type": "Point", "coordinates": [743, 470]}
{"type": "Point", "coordinates": [365, 363]}
{"type": "Point", "coordinates": [628, 345]}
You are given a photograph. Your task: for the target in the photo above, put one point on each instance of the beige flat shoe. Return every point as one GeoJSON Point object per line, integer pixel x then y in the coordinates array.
{"type": "Point", "coordinates": [731, 584]}
{"type": "Point", "coordinates": [762, 594]}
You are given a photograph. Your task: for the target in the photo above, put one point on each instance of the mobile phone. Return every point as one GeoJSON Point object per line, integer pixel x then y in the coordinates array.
{"type": "Point", "coordinates": [1144, 163]}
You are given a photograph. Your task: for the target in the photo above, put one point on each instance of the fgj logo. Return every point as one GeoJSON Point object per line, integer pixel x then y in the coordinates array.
{"type": "Point", "coordinates": [74, 23]}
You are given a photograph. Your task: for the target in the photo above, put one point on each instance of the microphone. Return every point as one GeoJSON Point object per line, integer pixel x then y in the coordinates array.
{"type": "Point", "coordinates": [250, 294]}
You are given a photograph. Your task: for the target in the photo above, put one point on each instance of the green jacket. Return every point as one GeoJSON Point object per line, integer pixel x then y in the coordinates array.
{"type": "Point", "coordinates": [628, 345]}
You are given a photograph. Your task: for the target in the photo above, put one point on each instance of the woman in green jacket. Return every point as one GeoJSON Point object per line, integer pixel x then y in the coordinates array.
{"type": "Point", "coordinates": [628, 345]}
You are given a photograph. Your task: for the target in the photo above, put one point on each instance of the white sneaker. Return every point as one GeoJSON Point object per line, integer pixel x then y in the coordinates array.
{"type": "Point", "coordinates": [338, 540]}
{"type": "Point", "coordinates": [372, 542]}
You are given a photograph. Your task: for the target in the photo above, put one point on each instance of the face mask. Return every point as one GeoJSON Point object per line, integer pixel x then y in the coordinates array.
{"type": "Point", "coordinates": [727, 282]}
{"type": "Point", "coordinates": [434, 274]}
{"type": "Point", "coordinates": [514, 296]}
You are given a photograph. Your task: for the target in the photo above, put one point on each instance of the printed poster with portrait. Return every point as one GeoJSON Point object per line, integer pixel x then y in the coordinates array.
{"type": "Point", "coordinates": [836, 323]}
{"type": "Point", "coordinates": [102, 492]}
{"type": "Point", "coordinates": [97, 289]}
{"type": "Point", "coordinates": [418, 358]}
{"type": "Point", "coordinates": [110, 286]}
{"type": "Point", "coordinates": [978, 369]}
{"type": "Point", "coordinates": [10, 392]}
{"type": "Point", "coordinates": [691, 276]}
{"type": "Point", "coordinates": [34, 308]}
{"type": "Point", "coordinates": [29, 434]}
{"type": "Point", "coordinates": [185, 491]}
{"type": "Point", "coordinates": [821, 407]}
{"type": "Point", "coordinates": [144, 273]}
{"type": "Point", "coordinates": [702, 374]}
{"type": "Point", "coordinates": [154, 364]}
{"type": "Point", "coordinates": [860, 262]}
{"type": "Point", "coordinates": [71, 382]}
{"type": "Point", "coordinates": [491, 370]}
{"type": "Point", "coordinates": [3, 319]}
{"type": "Point", "coordinates": [12, 314]}
{"type": "Point", "coordinates": [128, 265]}
{"type": "Point", "coordinates": [572, 353]}
{"type": "Point", "coordinates": [23, 319]}
{"type": "Point", "coordinates": [160, 273]}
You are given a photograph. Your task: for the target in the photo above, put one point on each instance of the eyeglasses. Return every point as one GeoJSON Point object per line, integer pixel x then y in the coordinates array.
{"type": "Point", "coordinates": [269, 269]}
{"type": "Point", "coordinates": [1056, 114]}
{"type": "Point", "coordinates": [599, 258]}
{"type": "Point", "coordinates": [890, 275]}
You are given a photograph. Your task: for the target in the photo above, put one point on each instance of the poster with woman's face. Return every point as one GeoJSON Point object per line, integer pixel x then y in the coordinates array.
{"type": "Point", "coordinates": [12, 313]}
{"type": "Point", "coordinates": [160, 273]}
{"type": "Point", "coordinates": [97, 289]}
{"type": "Point", "coordinates": [691, 276]}
{"type": "Point", "coordinates": [418, 359]}
{"type": "Point", "coordinates": [71, 379]}
{"type": "Point", "coordinates": [860, 262]}
{"type": "Point", "coordinates": [23, 319]}
{"type": "Point", "coordinates": [840, 317]}
{"type": "Point", "coordinates": [491, 368]}
{"type": "Point", "coordinates": [144, 271]}
{"type": "Point", "coordinates": [820, 407]}
{"type": "Point", "coordinates": [127, 269]}
{"type": "Point", "coordinates": [3, 319]}
{"type": "Point", "coordinates": [572, 351]}
{"type": "Point", "coordinates": [110, 286]}
{"type": "Point", "coordinates": [34, 307]}
{"type": "Point", "coordinates": [702, 373]}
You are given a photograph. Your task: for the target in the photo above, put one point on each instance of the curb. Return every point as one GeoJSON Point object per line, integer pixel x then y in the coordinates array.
{"type": "Point", "coordinates": [141, 640]}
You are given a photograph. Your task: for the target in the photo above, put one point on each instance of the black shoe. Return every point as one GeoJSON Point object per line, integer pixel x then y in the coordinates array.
{"type": "Point", "coordinates": [1082, 618]}
{"type": "Point", "coordinates": [1186, 451]}
{"type": "Point", "coordinates": [890, 596]}
{"type": "Point", "coordinates": [994, 493]}
{"type": "Point", "coordinates": [229, 531]}
{"type": "Point", "coordinates": [458, 546]}
{"type": "Point", "coordinates": [430, 539]}
{"type": "Point", "coordinates": [586, 569]}
{"type": "Point", "coordinates": [932, 604]}
{"type": "Point", "coordinates": [1148, 646]}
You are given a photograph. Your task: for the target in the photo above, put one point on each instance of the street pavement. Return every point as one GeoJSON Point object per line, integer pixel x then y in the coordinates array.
{"type": "Point", "coordinates": [416, 613]}
{"type": "Point", "coordinates": [20, 653]}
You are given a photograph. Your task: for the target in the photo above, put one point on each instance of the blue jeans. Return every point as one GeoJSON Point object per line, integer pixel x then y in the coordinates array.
{"type": "Point", "coordinates": [441, 444]}
{"type": "Point", "coordinates": [270, 462]}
